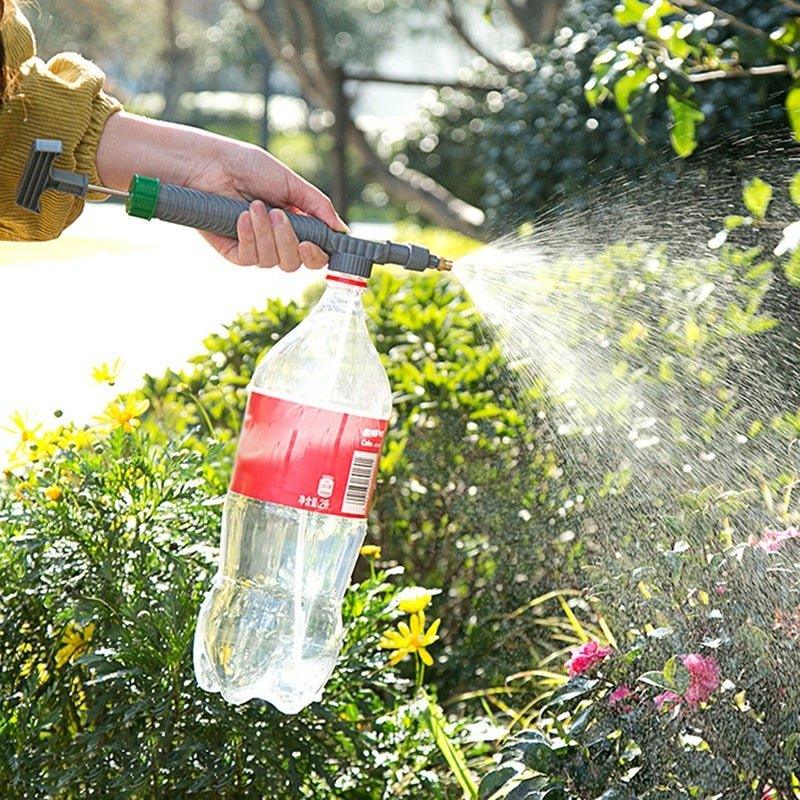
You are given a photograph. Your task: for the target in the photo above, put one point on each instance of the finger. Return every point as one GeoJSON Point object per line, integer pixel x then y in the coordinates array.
{"type": "Point", "coordinates": [312, 201]}
{"type": "Point", "coordinates": [313, 257]}
{"type": "Point", "coordinates": [248, 254]}
{"type": "Point", "coordinates": [285, 240]}
{"type": "Point", "coordinates": [264, 236]}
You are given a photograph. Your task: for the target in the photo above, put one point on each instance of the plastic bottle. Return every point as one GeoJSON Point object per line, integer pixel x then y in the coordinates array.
{"type": "Point", "coordinates": [295, 514]}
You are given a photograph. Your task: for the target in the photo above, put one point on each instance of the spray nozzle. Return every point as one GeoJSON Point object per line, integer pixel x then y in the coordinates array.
{"type": "Point", "coordinates": [148, 198]}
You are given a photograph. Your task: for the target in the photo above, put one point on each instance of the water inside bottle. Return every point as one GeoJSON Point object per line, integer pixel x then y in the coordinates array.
{"type": "Point", "coordinates": [271, 626]}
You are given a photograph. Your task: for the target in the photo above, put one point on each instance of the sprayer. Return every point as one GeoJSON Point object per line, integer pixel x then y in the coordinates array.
{"type": "Point", "coordinates": [149, 198]}
{"type": "Point", "coordinates": [306, 464]}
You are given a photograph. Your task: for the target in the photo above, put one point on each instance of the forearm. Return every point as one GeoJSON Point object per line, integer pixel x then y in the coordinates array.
{"type": "Point", "coordinates": [132, 144]}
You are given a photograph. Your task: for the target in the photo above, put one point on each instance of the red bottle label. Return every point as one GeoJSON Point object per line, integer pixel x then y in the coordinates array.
{"type": "Point", "coordinates": [308, 457]}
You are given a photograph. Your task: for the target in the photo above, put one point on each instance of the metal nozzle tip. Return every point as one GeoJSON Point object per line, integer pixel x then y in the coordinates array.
{"type": "Point", "coordinates": [445, 265]}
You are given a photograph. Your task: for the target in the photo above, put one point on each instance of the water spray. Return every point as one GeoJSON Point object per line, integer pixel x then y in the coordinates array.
{"type": "Point", "coordinates": [149, 198]}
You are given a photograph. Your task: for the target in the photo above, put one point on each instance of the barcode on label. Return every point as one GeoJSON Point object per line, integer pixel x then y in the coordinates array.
{"type": "Point", "coordinates": [359, 482]}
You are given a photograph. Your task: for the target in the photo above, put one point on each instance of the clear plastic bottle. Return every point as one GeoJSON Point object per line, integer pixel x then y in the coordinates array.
{"type": "Point", "coordinates": [318, 408]}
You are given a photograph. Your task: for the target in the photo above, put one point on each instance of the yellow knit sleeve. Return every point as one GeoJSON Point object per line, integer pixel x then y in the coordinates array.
{"type": "Point", "coordinates": [64, 100]}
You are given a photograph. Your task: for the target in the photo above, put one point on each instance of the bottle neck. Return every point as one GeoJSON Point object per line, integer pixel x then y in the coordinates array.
{"type": "Point", "coordinates": [343, 294]}
{"type": "Point", "coordinates": [340, 280]}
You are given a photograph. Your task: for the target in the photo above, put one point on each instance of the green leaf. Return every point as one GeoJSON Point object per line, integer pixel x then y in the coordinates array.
{"type": "Point", "coordinates": [666, 373]}
{"type": "Point", "coordinates": [792, 269]}
{"type": "Point", "coordinates": [631, 82]}
{"type": "Point", "coordinates": [655, 678]}
{"type": "Point", "coordinates": [674, 40]}
{"type": "Point", "coordinates": [735, 221]}
{"type": "Point", "coordinates": [535, 750]}
{"type": "Point", "coordinates": [449, 749]}
{"type": "Point", "coordinates": [651, 19]}
{"type": "Point", "coordinates": [794, 189]}
{"type": "Point", "coordinates": [669, 671]}
{"type": "Point", "coordinates": [686, 115]}
{"type": "Point", "coordinates": [793, 109]}
{"type": "Point", "coordinates": [757, 196]}
{"type": "Point", "coordinates": [498, 778]}
{"type": "Point", "coordinates": [630, 12]}
{"type": "Point", "coordinates": [693, 332]}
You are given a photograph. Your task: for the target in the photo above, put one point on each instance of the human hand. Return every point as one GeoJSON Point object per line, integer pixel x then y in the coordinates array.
{"type": "Point", "coordinates": [199, 160]}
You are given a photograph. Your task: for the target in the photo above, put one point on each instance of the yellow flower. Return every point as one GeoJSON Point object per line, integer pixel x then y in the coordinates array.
{"type": "Point", "coordinates": [45, 446]}
{"type": "Point", "coordinates": [413, 599]}
{"type": "Point", "coordinates": [412, 638]}
{"type": "Point", "coordinates": [23, 427]}
{"type": "Point", "coordinates": [76, 437]}
{"type": "Point", "coordinates": [124, 414]}
{"type": "Point", "coordinates": [31, 446]}
{"type": "Point", "coordinates": [371, 551]}
{"type": "Point", "coordinates": [74, 642]}
{"type": "Point", "coordinates": [22, 488]}
{"type": "Point", "coordinates": [107, 373]}
{"type": "Point", "coordinates": [53, 493]}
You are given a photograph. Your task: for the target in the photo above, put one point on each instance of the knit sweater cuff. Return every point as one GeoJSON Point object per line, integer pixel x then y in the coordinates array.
{"type": "Point", "coordinates": [60, 100]}
{"type": "Point", "coordinates": [86, 151]}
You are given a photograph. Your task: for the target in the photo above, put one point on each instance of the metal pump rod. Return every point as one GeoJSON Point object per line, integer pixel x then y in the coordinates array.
{"type": "Point", "coordinates": [148, 198]}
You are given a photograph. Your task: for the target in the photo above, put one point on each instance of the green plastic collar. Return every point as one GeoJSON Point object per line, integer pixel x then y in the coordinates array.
{"type": "Point", "coordinates": [143, 196]}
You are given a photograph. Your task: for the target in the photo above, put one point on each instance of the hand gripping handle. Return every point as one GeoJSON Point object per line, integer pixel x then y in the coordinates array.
{"type": "Point", "coordinates": [149, 198]}
{"type": "Point", "coordinates": [218, 214]}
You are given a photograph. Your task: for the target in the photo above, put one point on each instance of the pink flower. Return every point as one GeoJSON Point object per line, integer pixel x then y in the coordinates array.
{"type": "Point", "coordinates": [772, 541]}
{"type": "Point", "coordinates": [619, 696]}
{"type": "Point", "coordinates": [587, 656]}
{"type": "Point", "coordinates": [666, 699]}
{"type": "Point", "coordinates": [703, 678]}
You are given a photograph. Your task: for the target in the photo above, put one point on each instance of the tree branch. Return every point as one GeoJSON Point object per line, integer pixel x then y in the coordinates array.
{"type": "Point", "coordinates": [284, 52]}
{"type": "Point", "coordinates": [317, 51]}
{"type": "Point", "coordinates": [535, 19]}
{"type": "Point", "coordinates": [792, 5]}
{"type": "Point", "coordinates": [375, 77]}
{"type": "Point", "coordinates": [457, 24]}
{"type": "Point", "coordinates": [733, 21]}
{"type": "Point", "coordinates": [433, 200]}
{"type": "Point", "coordinates": [521, 20]}
{"type": "Point", "coordinates": [753, 72]}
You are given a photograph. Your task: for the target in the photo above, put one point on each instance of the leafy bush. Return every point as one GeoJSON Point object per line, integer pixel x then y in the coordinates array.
{"type": "Point", "coordinates": [680, 432]}
{"type": "Point", "coordinates": [108, 544]}
{"type": "Point", "coordinates": [535, 137]}
{"type": "Point", "coordinates": [626, 499]}
{"type": "Point", "coordinates": [720, 715]}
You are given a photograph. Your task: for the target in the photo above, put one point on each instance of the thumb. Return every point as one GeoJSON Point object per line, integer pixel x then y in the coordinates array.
{"type": "Point", "coordinates": [310, 200]}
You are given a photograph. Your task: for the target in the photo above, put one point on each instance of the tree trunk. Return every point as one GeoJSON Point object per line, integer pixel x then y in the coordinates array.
{"type": "Point", "coordinates": [266, 90]}
{"type": "Point", "coordinates": [341, 111]}
{"type": "Point", "coordinates": [536, 20]}
{"type": "Point", "coordinates": [173, 58]}
{"type": "Point", "coordinates": [409, 186]}
{"type": "Point", "coordinates": [305, 58]}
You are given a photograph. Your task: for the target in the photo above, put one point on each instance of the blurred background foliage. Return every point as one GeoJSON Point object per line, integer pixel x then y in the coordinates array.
{"type": "Point", "coordinates": [526, 103]}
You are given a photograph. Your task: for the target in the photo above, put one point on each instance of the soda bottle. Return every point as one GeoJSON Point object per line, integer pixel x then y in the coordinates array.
{"type": "Point", "coordinates": [295, 515]}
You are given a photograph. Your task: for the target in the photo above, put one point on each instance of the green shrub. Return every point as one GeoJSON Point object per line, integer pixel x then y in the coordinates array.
{"type": "Point", "coordinates": [108, 545]}
{"type": "Point", "coordinates": [680, 432]}
{"type": "Point", "coordinates": [535, 139]}
{"type": "Point", "coordinates": [704, 704]}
